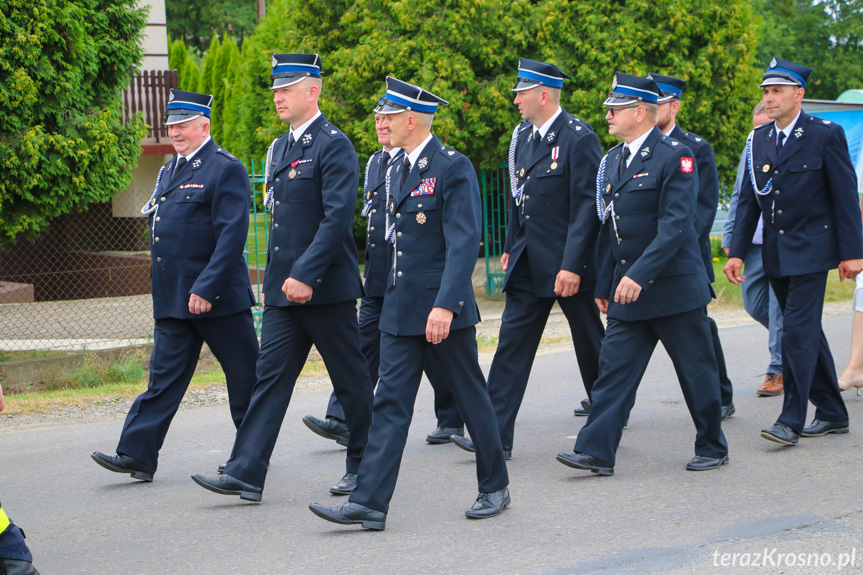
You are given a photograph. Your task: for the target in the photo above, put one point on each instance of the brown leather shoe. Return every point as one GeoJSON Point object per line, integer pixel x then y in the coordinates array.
{"type": "Point", "coordinates": [773, 384]}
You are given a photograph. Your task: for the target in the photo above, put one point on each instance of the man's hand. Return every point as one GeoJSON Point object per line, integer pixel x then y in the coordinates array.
{"type": "Point", "coordinates": [566, 283]}
{"type": "Point", "coordinates": [734, 271]}
{"type": "Point", "coordinates": [602, 304]}
{"type": "Point", "coordinates": [297, 291]}
{"type": "Point", "coordinates": [437, 327]}
{"type": "Point", "coordinates": [198, 305]}
{"type": "Point", "coordinates": [504, 260]}
{"type": "Point", "coordinates": [850, 269]}
{"type": "Point", "coordinates": [627, 291]}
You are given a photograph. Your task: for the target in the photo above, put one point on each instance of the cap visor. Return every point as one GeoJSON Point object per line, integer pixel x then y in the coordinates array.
{"type": "Point", "coordinates": [521, 85]}
{"type": "Point", "coordinates": [285, 82]}
{"type": "Point", "coordinates": [619, 100]}
{"type": "Point", "coordinates": [778, 82]}
{"type": "Point", "coordinates": [180, 118]}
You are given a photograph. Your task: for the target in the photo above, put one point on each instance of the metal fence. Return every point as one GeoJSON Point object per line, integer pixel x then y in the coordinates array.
{"type": "Point", "coordinates": [85, 285]}
{"type": "Point", "coordinates": [495, 211]}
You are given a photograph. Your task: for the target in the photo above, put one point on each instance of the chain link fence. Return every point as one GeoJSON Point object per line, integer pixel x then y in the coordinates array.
{"type": "Point", "coordinates": [85, 284]}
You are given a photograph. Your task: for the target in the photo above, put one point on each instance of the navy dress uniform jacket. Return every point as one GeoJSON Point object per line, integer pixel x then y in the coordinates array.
{"type": "Point", "coordinates": [378, 256]}
{"type": "Point", "coordinates": [812, 215]}
{"type": "Point", "coordinates": [198, 234]}
{"type": "Point", "coordinates": [558, 219]}
{"type": "Point", "coordinates": [708, 191]}
{"type": "Point", "coordinates": [654, 207]}
{"type": "Point", "coordinates": [311, 238]}
{"type": "Point", "coordinates": [436, 244]}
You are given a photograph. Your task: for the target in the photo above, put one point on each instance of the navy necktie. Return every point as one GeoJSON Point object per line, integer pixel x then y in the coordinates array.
{"type": "Point", "coordinates": [780, 142]}
{"type": "Point", "coordinates": [180, 163]}
{"type": "Point", "coordinates": [406, 169]}
{"type": "Point", "coordinates": [385, 161]}
{"type": "Point", "coordinates": [622, 167]}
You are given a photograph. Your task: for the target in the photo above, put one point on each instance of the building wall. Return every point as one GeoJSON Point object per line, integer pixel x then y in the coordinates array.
{"type": "Point", "coordinates": [155, 36]}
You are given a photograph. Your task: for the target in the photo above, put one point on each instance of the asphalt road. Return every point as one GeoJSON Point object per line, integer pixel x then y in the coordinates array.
{"type": "Point", "coordinates": [651, 517]}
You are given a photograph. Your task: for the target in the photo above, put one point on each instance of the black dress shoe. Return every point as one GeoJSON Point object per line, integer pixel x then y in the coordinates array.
{"type": "Point", "coordinates": [443, 435]}
{"type": "Point", "coordinates": [124, 464]}
{"type": "Point", "coordinates": [701, 463]}
{"type": "Point", "coordinates": [489, 505]}
{"type": "Point", "coordinates": [227, 485]}
{"type": "Point", "coordinates": [347, 484]}
{"type": "Point", "coordinates": [728, 411]}
{"type": "Point", "coordinates": [351, 514]}
{"type": "Point", "coordinates": [330, 428]}
{"type": "Point", "coordinates": [584, 410]}
{"type": "Point", "coordinates": [818, 428]}
{"type": "Point", "coordinates": [586, 462]}
{"type": "Point", "coordinates": [466, 443]}
{"type": "Point", "coordinates": [780, 433]}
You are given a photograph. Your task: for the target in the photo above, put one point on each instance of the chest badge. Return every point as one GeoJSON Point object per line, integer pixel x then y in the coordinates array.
{"type": "Point", "coordinates": [422, 163]}
{"type": "Point", "coordinates": [521, 173]}
{"type": "Point", "coordinates": [798, 133]}
{"type": "Point", "coordinates": [421, 218]}
{"type": "Point", "coordinates": [766, 168]}
{"type": "Point", "coordinates": [608, 189]}
{"type": "Point", "coordinates": [196, 163]}
{"type": "Point", "coordinates": [645, 151]}
{"type": "Point", "coordinates": [293, 173]}
{"type": "Point", "coordinates": [307, 139]}
{"type": "Point", "coordinates": [555, 153]}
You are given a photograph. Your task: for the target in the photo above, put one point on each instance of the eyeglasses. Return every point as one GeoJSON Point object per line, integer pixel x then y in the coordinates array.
{"type": "Point", "coordinates": [612, 110]}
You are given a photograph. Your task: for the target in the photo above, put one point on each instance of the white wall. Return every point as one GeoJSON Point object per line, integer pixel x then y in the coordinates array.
{"type": "Point", "coordinates": [155, 40]}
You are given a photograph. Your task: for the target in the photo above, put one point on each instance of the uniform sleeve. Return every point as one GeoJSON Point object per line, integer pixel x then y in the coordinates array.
{"type": "Point", "coordinates": [842, 182]}
{"type": "Point", "coordinates": [677, 203]}
{"type": "Point", "coordinates": [230, 220]}
{"type": "Point", "coordinates": [708, 192]}
{"type": "Point", "coordinates": [728, 228]}
{"type": "Point", "coordinates": [584, 158]}
{"type": "Point", "coordinates": [462, 228]}
{"type": "Point", "coordinates": [745, 220]}
{"type": "Point", "coordinates": [340, 172]}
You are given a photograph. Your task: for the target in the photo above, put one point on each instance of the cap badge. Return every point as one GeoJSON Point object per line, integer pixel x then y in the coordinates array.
{"type": "Point", "coordinates": [614, 83]}
{"type": "Point", "coordinates": [423, 163]}
{"type": "Point", "coordinates": [275, 62]}
{"type": "Point", "coordinates": [773, 63]}
{"type": "Point", "coordinates": [421, 218]}
{"type": "Point", "coordinates": [171, 97]}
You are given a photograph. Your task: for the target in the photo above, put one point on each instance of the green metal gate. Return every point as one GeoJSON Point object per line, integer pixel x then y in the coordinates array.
{"type": "Point", "coordinates": [259, 235]}
{"type": "Point", "coordinates": [495, 207]}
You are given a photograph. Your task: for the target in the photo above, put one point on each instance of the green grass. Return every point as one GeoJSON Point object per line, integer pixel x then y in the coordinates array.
{"type": "Point", "coordinates": [728, 294]}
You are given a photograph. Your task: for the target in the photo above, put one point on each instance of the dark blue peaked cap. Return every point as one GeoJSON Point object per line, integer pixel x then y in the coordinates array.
{"type": "Point", "coordinates": [403, 97]}
{"type": "Point", "coordinates": [184, 106]}
{"type": "Point", "coordinates": [669, 86]}
{"type": "Point", "coordinates": [532, 74]}
{"type": "Point", "coordinates": [784, 73]}
{"type": "Point", "coordinates": [289, 69]}
{"type": "Point", "coordinates": [628, 89]}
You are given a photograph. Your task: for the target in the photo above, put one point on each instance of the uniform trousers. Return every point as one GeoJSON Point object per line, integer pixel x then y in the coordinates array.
{"type": "Point", "coordinates": [176, 348]}
{"type": "Point", "coordinates": [445, 408]}
{"type": "Point", "coordinates": [287, 335]}
{"type": "Point", "coordinates": [807, 364]}
{"type": "Point", "coordinates": [522, 325]}
{"type": "Point", "coordinates": [401, 371]}
{"type": "Point", "coordinates": [626, 352]}
{"type": "Point", "coordinates": [761, 304]}
{"type": "Point", "coordinates": [726, 391]}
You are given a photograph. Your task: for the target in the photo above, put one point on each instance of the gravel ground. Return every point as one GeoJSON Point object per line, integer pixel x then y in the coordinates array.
{"type": "Point", "coordinates": [556, 334]}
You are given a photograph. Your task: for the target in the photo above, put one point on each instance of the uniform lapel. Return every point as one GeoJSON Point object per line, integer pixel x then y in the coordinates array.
{"type": "Point", "coordinates": [548, 142]}
{"type": "Point", "coordinates": [769, 144]}
{"type": "Point", "coordinates": [415, 177]}
{"type": "Point", "coordinates": [186, 172]}
{"type": "Point", "coordinates": [795, 140]}
{"type": "Point", "coordinates": [643, 154]}
{"type": "Point", "coordinates": [299, 148]}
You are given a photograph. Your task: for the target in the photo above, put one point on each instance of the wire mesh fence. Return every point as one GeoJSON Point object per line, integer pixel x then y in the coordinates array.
{"type": "Point", "coordinates": [85, 284]}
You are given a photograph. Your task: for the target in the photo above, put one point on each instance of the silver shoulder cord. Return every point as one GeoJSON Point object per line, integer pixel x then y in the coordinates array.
{"type": "Point", "coordinates": [768, 187]}
{"type": "Point", "coordinates": [268, 196]}
{"type": "Point", "coordinates": [152, 206]}
{"type": "Point", "coordinates": [513, 182]}
{"type": "Point", "coordinates": [367, 205]}
{"type": "Point", "coordinates": [390, 233]}
{"type": "Point", "coordinates": [601, 210]}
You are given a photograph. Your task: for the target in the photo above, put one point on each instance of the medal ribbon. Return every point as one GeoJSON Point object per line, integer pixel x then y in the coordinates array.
{"type": "Point", "coordinates": [555, 152]}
